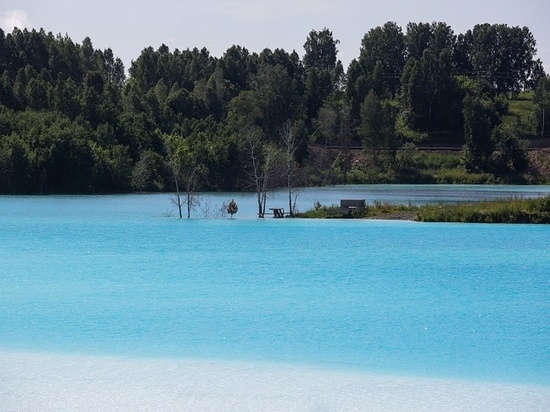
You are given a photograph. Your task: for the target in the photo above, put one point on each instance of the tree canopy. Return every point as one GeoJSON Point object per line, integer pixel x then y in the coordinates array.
{"type": "Point", "coordinates": [73, 120]}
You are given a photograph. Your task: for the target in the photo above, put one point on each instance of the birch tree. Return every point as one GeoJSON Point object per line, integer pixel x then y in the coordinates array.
{"type": "Point", "coordinates": [542, 99]}
{"type": "Point", "coordinates": [187, 171]}
{"type": "Point", "coordinates": [290, 142]}
{"type": "Point", "coordinates": [262, 161]}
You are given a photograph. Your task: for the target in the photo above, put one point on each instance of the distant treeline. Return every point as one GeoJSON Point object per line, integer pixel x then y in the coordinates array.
{"type": "Point", "coordinates": [72, 120]}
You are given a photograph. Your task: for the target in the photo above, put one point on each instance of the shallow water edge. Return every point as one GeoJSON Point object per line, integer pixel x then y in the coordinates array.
{"type": "Point", "coordinates": [41, 381]}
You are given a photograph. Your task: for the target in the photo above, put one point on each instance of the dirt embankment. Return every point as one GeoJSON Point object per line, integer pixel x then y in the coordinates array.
{"type": "Point", "coordinates": [540, 162]}
{"type": "Point", "coordinates": [539, 143]}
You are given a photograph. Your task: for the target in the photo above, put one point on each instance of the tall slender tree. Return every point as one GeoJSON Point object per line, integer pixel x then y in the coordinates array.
{"type": "Point", "coordinates": [324, 72]}
{"type": "Point", "coordinates": [542, 99]}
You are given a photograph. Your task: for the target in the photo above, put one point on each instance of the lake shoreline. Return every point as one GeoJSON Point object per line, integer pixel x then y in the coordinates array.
{"type": "Point", "coordinates": [32, 381]}
{"type": "Point", "coordinates": [516, 210]}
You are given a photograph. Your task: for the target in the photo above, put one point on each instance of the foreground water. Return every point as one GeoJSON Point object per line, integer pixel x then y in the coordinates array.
{"type": "Point", "coordinates": [114, 276]}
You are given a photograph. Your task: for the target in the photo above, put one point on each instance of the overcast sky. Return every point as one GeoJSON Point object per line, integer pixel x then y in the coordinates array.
{"type": "Point", "coordinates": [128, 26]}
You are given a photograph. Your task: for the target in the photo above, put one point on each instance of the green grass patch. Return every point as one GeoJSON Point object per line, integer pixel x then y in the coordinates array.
{"type": "Point", "coordinates": [441, 168]}
{"type": "Point", "coordinates": [377, 209]}
{"type": "Point", "coordinates": [498, 211]}
{"type": "Point", "coordinates": [516, 210]}
{"type": "Point", "coordinates": [460, 176]}
{"type": "Point", "coordinates": [434, 160]}
{"type": "Point", "coordinates": [520, 112]}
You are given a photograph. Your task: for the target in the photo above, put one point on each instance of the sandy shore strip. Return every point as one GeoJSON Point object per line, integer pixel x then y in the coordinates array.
{"type": "Point", "coordinates": [44, 382]}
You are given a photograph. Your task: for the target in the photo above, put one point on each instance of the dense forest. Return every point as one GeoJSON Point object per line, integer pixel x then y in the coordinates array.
{"type": "Point", "coordinates": [74, 120]}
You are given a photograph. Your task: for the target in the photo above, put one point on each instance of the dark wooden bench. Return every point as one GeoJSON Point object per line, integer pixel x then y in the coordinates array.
{"type": "Point", "coordinates": [347, 206]}
{"type": "Point", "coordinates": [278, 212]}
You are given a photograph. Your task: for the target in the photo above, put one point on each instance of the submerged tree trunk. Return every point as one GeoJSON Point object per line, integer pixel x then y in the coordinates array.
{"type": "Point", "coordinates": [189, 204]}
{"type": "Point", "coordinates": [290, 145]}
{"type": "Point", "coordinates": [177, 201]}
{"type": "Point", "coordinates": [266, 172]}
{"type": "Point", "coordinates": [255, 153]}
{"type": "Point", "coordinates": [289, 183]}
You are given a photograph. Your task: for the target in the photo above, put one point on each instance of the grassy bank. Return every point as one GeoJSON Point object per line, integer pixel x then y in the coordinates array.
{"type": "Point", "coordinates": [498, 211]}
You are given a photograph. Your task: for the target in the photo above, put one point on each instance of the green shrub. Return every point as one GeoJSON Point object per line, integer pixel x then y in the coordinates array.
{"type": "Point", "coordinates": [460, 176]}
{"type": "Point", "coordinates": [436, 161]}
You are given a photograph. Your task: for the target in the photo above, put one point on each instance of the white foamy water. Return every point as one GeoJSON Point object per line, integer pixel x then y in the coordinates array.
{"type": "Point", "coordinates": [49, 382]}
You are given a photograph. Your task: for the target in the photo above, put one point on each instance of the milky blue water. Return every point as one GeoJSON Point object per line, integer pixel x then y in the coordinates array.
{"type": "Point", "coordinates": [114, 275]}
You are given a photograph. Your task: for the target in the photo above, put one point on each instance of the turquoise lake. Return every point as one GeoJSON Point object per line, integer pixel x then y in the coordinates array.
{"type": "Point", "coordinates": [120, 275]}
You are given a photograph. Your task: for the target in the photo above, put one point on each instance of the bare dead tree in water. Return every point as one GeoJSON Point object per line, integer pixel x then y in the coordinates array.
{"type": "Point", "coordinates": [176, 200]}
{"type": "Point", "coordinates": [289, 146]}
{"type": "Point", "coordinates": [262, 160]}
{"type": "Point", "coordinates": [187, 171]}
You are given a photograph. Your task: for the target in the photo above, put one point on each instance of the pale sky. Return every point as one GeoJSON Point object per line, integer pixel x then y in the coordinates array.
{"type": "Point", "coordinates": [129, 26]}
